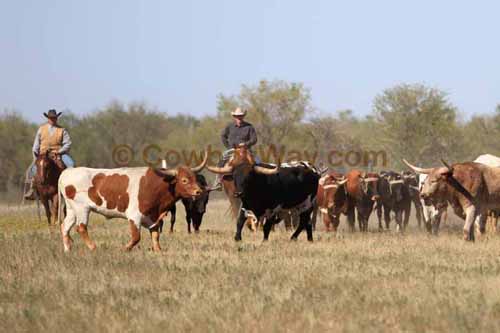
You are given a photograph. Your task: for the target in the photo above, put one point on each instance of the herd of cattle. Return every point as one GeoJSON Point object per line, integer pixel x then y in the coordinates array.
{"type": "Point", "coordinates": [269, 193]}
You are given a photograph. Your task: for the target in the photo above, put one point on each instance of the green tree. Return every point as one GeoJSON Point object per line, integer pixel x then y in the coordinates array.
{"type": "Point", "coordinates": [417, 123]}
{"type": "Point", "coordinates": [16, 140]}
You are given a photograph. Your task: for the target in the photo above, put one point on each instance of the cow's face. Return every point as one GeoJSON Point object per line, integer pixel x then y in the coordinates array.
{"type": "Point", "coordinates": [396, 185]}
{"type": "Point", "coordinates": [333, 186]}
{"type": "Point", "coordinates": [241, 175]}
{"type": "Point", "coordinates": [186, 185]}
{"type": "Point", "coordinates": [369, 184]}
{"type": "Point", "coordinates": [435, 180]}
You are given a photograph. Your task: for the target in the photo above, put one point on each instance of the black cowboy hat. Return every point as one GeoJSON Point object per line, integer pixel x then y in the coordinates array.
{"type": "Point", "coordinates": [52, 114]}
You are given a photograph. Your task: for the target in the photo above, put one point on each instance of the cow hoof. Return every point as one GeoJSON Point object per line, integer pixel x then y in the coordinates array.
{"type": "Point", "coordinates": [293, 239]}
{"type": "Point", "coordinates": [237, 238]}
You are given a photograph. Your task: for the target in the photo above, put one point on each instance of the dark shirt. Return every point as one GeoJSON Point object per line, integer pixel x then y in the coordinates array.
{"type": "Point", "coordinates": [233, 135]}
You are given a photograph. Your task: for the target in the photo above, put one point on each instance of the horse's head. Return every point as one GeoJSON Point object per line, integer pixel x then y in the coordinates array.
{"type": "Point", "coordinates": [47, 166]}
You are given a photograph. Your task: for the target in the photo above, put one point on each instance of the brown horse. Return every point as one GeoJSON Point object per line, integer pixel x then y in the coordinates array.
{"type": "Point", "coordinates": [48, 169]}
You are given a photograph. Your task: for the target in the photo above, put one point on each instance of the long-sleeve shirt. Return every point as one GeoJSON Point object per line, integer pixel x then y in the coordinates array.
{"type": "Point", "coordinates": [234, 135]}
{"type": "Point", "coordinates": [66, 144]}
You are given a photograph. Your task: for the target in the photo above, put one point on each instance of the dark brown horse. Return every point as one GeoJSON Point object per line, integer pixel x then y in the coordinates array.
{"type": "Point", "coordinates": [48, 169]}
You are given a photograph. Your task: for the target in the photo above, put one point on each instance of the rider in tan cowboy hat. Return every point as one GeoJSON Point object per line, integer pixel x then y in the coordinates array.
{"type": "Point", "coordinates": [237, 133]}
{"type": "Point", "coordinates": [53, 138]}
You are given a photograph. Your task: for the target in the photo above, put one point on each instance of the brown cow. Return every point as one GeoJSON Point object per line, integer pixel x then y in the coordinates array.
{"type": "Point", "coordinates": [140, 195]}
{"type": "Point", "coordinates": [362, 193]}
{"type": "Point", "coordinates": [472, 190]}
{"type": "Point", "coordinates": [331, 199]}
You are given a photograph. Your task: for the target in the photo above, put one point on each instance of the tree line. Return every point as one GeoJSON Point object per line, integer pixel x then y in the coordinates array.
{"type": "Point", "coordinates": [409, 121]}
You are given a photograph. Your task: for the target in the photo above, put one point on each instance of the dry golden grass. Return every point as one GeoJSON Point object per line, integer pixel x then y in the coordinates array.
{"type": "Point", "coordinates": [207, 282]}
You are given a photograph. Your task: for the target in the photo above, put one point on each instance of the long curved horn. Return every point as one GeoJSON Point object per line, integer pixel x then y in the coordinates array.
{"type": "Point", "coordinates": [167, 172]}
{"type": "Point", "coordinates": [266, 171]}
{"type": "Point", "coordinates": [342, 182]}
{"type": "Point", "coordinates": [446, 164]}
{"type": "Point", "coordinates": [200, 167]}
{"type": "Point", "coordinates": [369, 179]}
{"type": "Point", "coordinates": [220, 170]}
{"type": "Point", "coordinates": [417, 169]}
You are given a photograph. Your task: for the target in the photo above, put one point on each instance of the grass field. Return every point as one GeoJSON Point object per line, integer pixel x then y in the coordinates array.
{"type": "Point", "coordinates": [208, 283]}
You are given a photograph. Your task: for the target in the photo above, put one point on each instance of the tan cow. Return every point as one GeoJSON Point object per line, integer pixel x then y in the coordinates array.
{"type": "Point", "coordinates": [142, 196]}
{"type": "Point", "coordinates": [472, 189]}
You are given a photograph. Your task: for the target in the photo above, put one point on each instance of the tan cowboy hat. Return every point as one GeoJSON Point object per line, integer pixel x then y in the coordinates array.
{"type": "Point", "coordinates": [52, 114]}
{"type": "Point", "coordinates": [238, 112]}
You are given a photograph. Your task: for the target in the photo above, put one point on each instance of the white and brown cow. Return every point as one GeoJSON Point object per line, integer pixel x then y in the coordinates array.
{"type": "Point", "coordinates": [472, 190]}
{"type": "Point", "coordinates": [140, 195]}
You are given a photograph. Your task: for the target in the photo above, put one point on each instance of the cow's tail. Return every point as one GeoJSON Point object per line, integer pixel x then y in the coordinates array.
{"type": "Point", "coordinates": [59, 202]}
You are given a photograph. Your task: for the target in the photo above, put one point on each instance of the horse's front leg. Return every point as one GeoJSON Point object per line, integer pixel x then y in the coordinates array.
{"type": "Point", "coordinates": [46, 206]}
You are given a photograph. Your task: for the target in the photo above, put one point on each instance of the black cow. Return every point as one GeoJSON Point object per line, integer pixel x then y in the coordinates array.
{"type": "Point", "coordinates": [264, 190]}
{"type": "Point", "coordinates": [394, 197]}
{"type": "Point", "coordinates": [411, 182]}
{"type": "Point", "coordinates": [195, 208]}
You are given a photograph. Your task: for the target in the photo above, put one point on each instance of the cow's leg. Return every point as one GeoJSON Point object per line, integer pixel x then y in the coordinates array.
{"type": "Point", "coordinates": [69, 222]}
{"type": "Point", "coordinates": [435, 224]}
{"type": "Point", "coordinates": [304, 223]}
{"type": "Point", "coordinates": [196, 219]}
{"type": "Point", "coordinates": [314, 216]}
{"type": "Point", "coordinates": [335, 223]}
{"type": "Point", "coordinates": [418, 211]}
{"type": "Point", "coordinates": [82, 223]}
{"type": "Point", "coordinates": [268, 225]}
{"type": "Point", "coordinates": [470, 216]}
{"type": "Point", "coordinates": [379, 217]}
{"type": "Point", "coordinates": [135, 235]}
{"type": "Point", "coordinates": [239, 225]}
{"type": "Point", "coordinates": [155, 239]}
{"type": "Point", "coordinates": [189, 219]}
{"type": "Point", "coordinates": [480, 222]}
{"type": "Point", "coordinates": [306, 216]}
{"type": "Point", "coordinates": [327, 220]}
{"type": "Point", "coordinates": [399, 220]}
{"type": "Point", "coordinates": [387, 217]}
{"type": "Point", "coordinates": [360, 219]}
{"type": "Point", "coordinates": [351, 216]}
{"type": "Point", "coordinates": [406, 215]}
{"type": "Point", "coordinates": [173, 213]}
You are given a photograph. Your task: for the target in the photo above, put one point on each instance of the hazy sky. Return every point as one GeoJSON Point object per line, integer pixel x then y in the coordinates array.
{"type": "Point", "coordinates": [178, 55]}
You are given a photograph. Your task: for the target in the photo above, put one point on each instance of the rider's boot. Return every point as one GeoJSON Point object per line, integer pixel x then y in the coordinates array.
{"type": "Point", "coordinates": [30, 194]}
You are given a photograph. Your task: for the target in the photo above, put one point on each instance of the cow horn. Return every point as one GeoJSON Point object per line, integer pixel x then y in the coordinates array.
{"type": "Point", "coordinates": [266, 171]}
{"type": "Point", "coordinates": [342, 182]}
{"type": "Point", "coordinates": [417, 169]}
{"type": "Point", "coordinates": [446, 164]}
{"type": "Point", "coordinates": [227, 169]}
{"type": "Point", "coordinates": [200, 167]}
{"type": "Point", "coordinates": [167, 172]}
{"type": "Point", "coordinates": [370, 179]}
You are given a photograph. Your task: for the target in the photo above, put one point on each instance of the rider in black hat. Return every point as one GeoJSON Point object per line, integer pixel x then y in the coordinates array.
{"type": "Point", "coordinates": [52, 138]}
